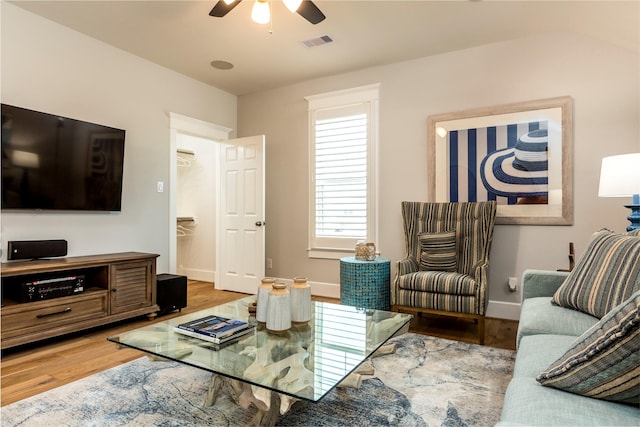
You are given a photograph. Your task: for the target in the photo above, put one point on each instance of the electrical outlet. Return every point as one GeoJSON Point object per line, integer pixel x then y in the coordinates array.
{"type": "Point", "coordinates": [513, 284]}
{"type": "Point", "coordinates": [269, 263]}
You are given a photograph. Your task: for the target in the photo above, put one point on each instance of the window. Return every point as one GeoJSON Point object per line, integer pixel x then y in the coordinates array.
{"type": "Point", "coordinates": [342, 135]}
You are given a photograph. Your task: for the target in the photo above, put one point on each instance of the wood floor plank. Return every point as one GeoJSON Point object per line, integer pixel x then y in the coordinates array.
{"type": "Point", "coordinates": [32, 369]}
{"type": "Point", "coordinates": [30, 386]}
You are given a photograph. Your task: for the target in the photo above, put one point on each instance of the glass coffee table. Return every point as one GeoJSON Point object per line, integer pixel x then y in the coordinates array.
{"type": "Point", "coordinates": [273, 371]}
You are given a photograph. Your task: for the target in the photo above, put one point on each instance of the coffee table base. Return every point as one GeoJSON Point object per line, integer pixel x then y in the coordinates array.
{"type": "Point", "coordinates": [271, 404]}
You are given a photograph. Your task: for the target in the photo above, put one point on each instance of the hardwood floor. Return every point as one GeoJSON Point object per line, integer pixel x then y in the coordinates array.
{"type": "Point", "coordinates": [33, 369]}
{"type": "Point", "coordinates": [499, 333]}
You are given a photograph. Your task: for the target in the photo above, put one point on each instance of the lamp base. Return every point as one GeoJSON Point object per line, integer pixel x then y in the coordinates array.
{"type": "Point", "coordinates": [634, 218]}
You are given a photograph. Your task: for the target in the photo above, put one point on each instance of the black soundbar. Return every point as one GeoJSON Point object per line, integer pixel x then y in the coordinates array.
{"type": "Point", "coordinates": [33, 249]}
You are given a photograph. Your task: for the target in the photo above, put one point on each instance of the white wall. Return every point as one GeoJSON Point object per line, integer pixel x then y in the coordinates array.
{"type": "Point", "coordinates": [601, 78]}
{"type": "Point", "coordinates": [50, 68]}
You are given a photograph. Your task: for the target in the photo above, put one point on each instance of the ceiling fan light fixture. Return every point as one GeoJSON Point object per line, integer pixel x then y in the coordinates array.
{"type": "Point", "coordinates": [228, 2]}
{"type": "Point", "coordinates": [260, 14]}
{"type": "Point", "coordinates": [292, 5]}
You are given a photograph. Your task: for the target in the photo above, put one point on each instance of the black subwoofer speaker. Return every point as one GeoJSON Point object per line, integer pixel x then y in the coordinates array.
{"type": "Point", "coordinates": [32, 249]}
{"type": "Point", "coordinates": [171, 292]}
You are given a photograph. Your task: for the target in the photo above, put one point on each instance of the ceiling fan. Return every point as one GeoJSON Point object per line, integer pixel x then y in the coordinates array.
{"type": "Point", "coordinates": [260, 12]}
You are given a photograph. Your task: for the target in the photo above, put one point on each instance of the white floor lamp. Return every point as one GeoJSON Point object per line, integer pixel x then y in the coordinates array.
{"type": "Point", "coordinates": [620, 177]}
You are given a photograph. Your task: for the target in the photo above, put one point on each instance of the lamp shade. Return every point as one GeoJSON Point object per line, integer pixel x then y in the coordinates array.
{"type": "Point", "coordinates": [620, 176]}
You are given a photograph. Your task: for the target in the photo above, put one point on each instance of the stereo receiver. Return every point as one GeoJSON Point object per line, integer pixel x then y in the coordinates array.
{"type": "Point", "coordinates": [37, 290]}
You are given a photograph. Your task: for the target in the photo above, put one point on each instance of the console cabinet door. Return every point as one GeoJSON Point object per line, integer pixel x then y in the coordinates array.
{"type": "Point", "coordinates": [131, 286]}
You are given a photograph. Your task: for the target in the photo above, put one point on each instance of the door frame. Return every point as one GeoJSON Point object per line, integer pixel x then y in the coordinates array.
{"type": "Point", "coordinates": [179, 124]}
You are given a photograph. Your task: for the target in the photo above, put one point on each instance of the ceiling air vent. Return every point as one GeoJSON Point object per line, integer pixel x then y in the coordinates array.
{"type": "Point", "coordinates": [318, 41]}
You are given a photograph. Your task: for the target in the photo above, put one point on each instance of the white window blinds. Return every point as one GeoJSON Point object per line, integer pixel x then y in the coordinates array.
{"type": "Point", "coordinates": [342, 135]}
{"type": "Point", "coordinates": [341, 176]}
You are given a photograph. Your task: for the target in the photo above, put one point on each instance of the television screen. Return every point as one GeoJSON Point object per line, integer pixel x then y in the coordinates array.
{"type": "Point", "coordinates": [57, 163]}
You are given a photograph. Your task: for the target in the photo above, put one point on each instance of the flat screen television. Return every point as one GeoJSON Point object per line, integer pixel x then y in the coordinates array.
{"type": "Point", "coordinates": [56, 163]}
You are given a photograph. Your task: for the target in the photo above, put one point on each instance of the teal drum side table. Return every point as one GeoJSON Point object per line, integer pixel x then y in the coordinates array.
{"type": "Point", "coordinates": [365, 284]}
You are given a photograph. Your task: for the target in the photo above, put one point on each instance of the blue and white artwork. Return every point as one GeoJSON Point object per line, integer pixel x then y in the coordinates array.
{"type": "Point", "coordinates": [506, 163]}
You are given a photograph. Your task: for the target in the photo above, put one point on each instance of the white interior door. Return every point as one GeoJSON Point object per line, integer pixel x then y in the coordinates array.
{"type": "Point", "coordinates": [241, 239]}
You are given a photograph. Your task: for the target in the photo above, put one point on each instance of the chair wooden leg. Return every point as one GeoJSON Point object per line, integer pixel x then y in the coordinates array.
{"type": "Point", "coordinates": [481, 330]}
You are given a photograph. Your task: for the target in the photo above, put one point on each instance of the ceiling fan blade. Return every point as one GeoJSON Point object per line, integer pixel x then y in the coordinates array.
{"type": "Point", "coordinates": [221, 8]}
{"type": "Point", "coordinates": [310, 12]}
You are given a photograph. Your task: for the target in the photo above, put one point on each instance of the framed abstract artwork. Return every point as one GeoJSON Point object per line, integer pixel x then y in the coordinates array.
{"type": "Point", "coordinates": [519, 155]}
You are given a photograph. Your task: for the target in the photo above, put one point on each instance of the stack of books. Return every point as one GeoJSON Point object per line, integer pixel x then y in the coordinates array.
{"type": "Point", "coordinates": [215, 329]}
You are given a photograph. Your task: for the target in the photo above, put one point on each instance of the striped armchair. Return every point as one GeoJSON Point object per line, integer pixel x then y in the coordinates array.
{"type": "Point", "coordinates": [447, 260]}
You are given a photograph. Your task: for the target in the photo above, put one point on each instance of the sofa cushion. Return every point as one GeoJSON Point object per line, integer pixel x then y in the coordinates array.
{"type": "Point", "coordinates": [604, 362]}
{"type": "Point", "coordinates": [528, 403]}
{"type": "Point", "coordinates": [606, 274]}
{"type": "Point", "coordinates": [438, 251]}
{"type": "Point", "coordinates": [539, 316]}
{"type": "Point", "coordinates": [530, 360]}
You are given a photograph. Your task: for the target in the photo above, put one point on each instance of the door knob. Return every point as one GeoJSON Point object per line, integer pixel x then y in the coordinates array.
{"type": "Point", "coordinates": [260, 223]}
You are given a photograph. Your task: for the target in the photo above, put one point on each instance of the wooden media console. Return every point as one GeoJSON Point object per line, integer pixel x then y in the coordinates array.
{"type": "Point", "coordinates": [115, 287]}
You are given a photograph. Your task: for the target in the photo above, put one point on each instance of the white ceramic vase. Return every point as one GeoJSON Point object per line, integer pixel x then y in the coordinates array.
{"type": "Point", "coordinates": [300, 300]}
{"type": "Point", "coordinates": [279, 309]}
{"type": "Point", "coordinates": [262, 302]}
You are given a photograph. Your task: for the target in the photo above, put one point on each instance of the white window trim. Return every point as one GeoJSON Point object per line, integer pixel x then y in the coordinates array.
{"type": "Point", "coordinates": [364, 94]}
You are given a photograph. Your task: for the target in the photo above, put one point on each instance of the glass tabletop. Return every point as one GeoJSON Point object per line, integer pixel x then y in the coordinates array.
{"type": "Point", "coordinates": [305, 362]}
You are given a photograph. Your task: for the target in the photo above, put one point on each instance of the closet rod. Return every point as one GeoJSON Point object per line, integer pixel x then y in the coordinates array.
{"type": "Point", "coordinates": [186, 219]}
{"type": "Point", "coordinates": [187, 152]}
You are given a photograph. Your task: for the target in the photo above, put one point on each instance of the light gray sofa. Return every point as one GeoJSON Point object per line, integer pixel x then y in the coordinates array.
{"type": "Point", "coordinates": [545, 333]}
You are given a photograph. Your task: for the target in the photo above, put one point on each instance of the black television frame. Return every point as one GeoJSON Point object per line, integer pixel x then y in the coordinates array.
{"type": "Point", "coordinates": [56, 163]}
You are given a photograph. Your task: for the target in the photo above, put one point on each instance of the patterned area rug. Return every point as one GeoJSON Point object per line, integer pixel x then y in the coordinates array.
{"type": "Point", "coordinates": [427, 382]}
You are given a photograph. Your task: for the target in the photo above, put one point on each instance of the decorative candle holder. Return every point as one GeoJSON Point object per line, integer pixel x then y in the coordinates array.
{"type": "Point", "coordinates": [365, 251]}
{"type": "Point", "coordinates": [279, 309]}
{"type": "Point", "coordinates": [300, 300]}
{"type": "Point", "coordinates": [371, 251]}
{"type": "Point", "coordinates": [263, 299]}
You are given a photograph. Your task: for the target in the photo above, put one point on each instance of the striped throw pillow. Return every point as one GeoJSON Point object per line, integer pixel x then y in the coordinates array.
{"type": "Point", "coordinates": [606, 274]}
{"type": "Point", "coordinates": [604, 362]}
{"type": "Point", "coordinates": [438, 251]}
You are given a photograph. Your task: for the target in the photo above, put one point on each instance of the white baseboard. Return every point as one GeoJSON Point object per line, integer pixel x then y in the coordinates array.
{"type": "Point", "coordinates": [495, 309]}
{"type": "Point", "coordinates": [320, 289]}
{"type": "Point", "coordinates": [197, 274]}
{"type": "Point", "coordinates": [503, 310]}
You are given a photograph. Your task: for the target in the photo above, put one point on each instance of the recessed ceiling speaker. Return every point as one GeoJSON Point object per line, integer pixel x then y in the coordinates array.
{"type": "Point", "coordinates": [34, 249]}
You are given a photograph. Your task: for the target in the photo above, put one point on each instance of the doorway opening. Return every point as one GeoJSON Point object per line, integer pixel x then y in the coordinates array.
{"type": "Point", "coordinates": [196, 208]}
{"type": "Point", "coordinates": [236, 208]}
{"type": "Point", "coordinates": [194, 147]}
